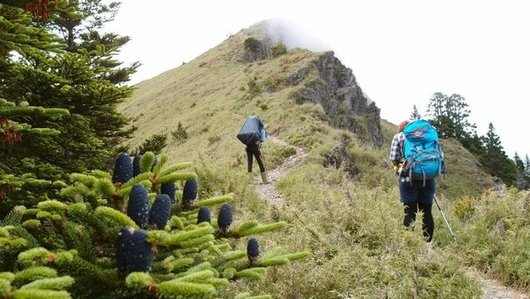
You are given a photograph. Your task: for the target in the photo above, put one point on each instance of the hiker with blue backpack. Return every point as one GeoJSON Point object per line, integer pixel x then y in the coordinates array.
{"type": "Point", "coordinates": [253, 134]}
{"type": "Point", "coordinates": [418, 159]}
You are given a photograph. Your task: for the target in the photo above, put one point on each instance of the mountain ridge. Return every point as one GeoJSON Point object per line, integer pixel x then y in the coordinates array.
{"type": "Point", "coordinates": [302, 95]}
{"type": "Point", "coordinates": [326, 81]}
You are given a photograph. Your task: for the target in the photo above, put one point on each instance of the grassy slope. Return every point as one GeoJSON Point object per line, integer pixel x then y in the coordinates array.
{"type": "Point", "coordinates": [210, 97]}
{"type": "Point", "coordinates": [352, 225]}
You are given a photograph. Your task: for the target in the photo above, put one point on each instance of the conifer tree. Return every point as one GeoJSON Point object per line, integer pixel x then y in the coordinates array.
{"type": "Point", "coordinates": [519, 163]}
{"type": "Point", "coordinates": [28, 132]}
{"type": "Point", "coordinates": [473, 144]}
{"type": "Point", "coordinates": [495, 160]}
{"type": "Point", "coordinates": [438, 116]}
{"type": "Point", "coordinates": [450, 115]}
{"type": "Point", "coordinates": [415, 114]}
{"type": "Point", "coordinates": [527, 166]}
{"type": "Point", "coordinates": [85, 79]}
{"type": "Point", "coordinates": [458, 112]}
{"type": "Point", "coordinates": [522, 181]}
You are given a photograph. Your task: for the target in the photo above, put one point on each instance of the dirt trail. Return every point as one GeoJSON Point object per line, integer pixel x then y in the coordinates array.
{"type": "Point", "coordinates": [492, 289]}
{"type": "Point", "coordinates": [268, 191]}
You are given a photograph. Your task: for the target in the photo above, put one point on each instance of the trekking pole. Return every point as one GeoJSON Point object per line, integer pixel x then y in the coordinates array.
{"type": "Point", "coordinates": [445, 219]}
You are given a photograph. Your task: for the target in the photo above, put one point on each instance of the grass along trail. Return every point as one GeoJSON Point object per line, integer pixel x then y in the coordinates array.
{"type": "Point", "coordinates": [491, 288]}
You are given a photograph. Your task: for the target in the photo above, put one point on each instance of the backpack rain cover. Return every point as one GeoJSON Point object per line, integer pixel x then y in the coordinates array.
{"type": "Point", "coordinates": [250, 131]}
{"type": "Point", "coordinates": [422, 150]}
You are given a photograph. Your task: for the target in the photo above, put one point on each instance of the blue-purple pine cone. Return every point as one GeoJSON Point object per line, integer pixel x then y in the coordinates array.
{"type": "Point", "coordinates": [253, 249]}
{"type": "Point", "coordinates": [189, 194]}
{"type": "Point", "coordinates": [139, 254]}
{"type": "Point", "coordinates": [122, 248]}
{"type": "Point", "coordinates": [123, 169]}
{"type": "Point", "coordinates": [138, 205]}
{"type": "Point", "coordinates": [204, 215]}
{"type": "Point", "coordinates": [136, 165]}
{"type": "Point", "coordinates": [225, 218]}
{"type": "Point", "coordinates": [160, 211]}
{"type": "Point", "coordinates": [170, 189]}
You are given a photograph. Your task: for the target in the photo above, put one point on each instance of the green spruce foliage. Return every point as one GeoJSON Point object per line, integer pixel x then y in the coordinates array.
{"type": "Point", "coordinates": [64, 62]}
{"type": "Point", "coordinates": [86, 235]}
{"type": "Point", "coordinates": [58, 95]}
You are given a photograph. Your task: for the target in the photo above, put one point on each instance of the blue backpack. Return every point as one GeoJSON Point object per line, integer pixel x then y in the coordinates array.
{"type": "Point", "coordinates": [422, 151]}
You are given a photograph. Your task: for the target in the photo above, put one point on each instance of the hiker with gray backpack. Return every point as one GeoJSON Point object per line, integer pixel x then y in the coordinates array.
{"type": "Point", "coordinates": [253, 134]}
{"type": "Point", "coordinates": [417, 157]}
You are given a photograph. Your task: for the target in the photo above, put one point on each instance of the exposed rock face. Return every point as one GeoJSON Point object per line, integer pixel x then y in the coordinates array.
{"type": "Point", "coordinates": [343, 100]}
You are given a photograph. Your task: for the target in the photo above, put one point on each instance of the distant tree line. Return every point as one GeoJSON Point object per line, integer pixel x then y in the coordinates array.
{"type": "Point", "coordinates": [450, 115]}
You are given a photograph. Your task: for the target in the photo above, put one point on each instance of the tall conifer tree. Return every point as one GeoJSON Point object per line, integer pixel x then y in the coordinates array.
{"type": "Point", "coordinates": [415, 114]}
{"type": "Point", "coordinates": [25, 174]}
{"type": "Point", "coordinates": [450, 115]}
{"type": "Point", "coordinates": [495, 159]}
{"type": "Point", "coordinates": [82, 77]}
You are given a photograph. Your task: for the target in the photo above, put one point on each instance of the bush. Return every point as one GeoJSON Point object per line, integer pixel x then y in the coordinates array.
{"type": "Point", "coordinates": [464, 206]}
{"type": "Point", "coordinates": [254, 88]}
{"type": "Point", "coordinates": [252, 45]}
{"type": "Point", "coordinates": [154, 144]}
{"type": "Point", "coordinates": [278, 50]}
{"type": "Point", "coordinates": [180, 133]}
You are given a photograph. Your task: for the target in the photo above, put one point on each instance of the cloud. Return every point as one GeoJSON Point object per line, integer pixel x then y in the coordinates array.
{"type": "Point", "coordinates": [293, 36]}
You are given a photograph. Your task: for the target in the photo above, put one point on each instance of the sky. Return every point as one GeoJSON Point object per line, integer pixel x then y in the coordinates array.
{"type": "Point", "coordinates": [401, 52]}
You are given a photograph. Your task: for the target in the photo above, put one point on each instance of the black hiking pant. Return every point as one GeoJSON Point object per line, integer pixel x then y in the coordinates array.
{"type": "Point", "coordinates": [427, 222]}
{"type": "Point", "coordinates": [418, 196]}
{"type": "Point", "coordinates": [254, 151]}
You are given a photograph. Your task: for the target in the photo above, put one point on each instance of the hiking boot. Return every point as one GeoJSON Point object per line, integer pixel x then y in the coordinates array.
{"type": "Point", "coordinates": [427, 249]}
{"type": "Point", "coordinates": [264, 178]}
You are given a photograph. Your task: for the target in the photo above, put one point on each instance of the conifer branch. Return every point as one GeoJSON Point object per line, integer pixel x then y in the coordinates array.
{"type": "Point", "coordinates": [176, 167]}
{"type": "Point", "coordinates": [214, 201]}
{"type": "Point", "coordinates": [14, 217]}
{"type": "Point", "coordinates": [57, 283]}
{"type": "Point", "coordinates": [116, 216]}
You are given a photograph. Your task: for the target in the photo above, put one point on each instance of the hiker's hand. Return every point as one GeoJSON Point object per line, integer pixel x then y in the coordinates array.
{"type": "Point", "coordinates": [396, 167]}
{"type": "Point", "coordinates": [401, 171]}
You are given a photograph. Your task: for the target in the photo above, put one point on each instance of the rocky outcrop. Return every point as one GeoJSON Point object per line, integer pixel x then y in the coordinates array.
{"type": "Point", "coordinates": [336, 89]}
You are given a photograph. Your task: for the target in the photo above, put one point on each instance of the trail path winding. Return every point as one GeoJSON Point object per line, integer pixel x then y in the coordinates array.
{"type": "Point", "coordinates": [268, 191]}
{"type": "Point", "coordinates": [492, 289]}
